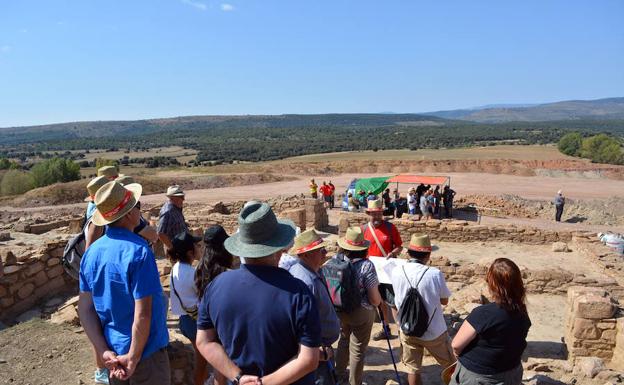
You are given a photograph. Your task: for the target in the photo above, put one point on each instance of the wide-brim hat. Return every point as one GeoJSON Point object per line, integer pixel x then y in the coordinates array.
{"type": "Point", "coordinates": [125, 179]}
{"type": "Point", "coordinates": [113, 201]}
{"type": "Point", "coordinates": [260, 233]}
{"type": "Point", "coordinates": [421, 243]}
{"type": "Point", "coordinates": [374, 206]}
{"type": "Point", "coordinates": [108, 171]}
{"type": "Point", "coordinates": [94, 185]}
{"type": "Point", "coordinates": [353, 240]}
{"type": "Point", "coordinates": [175, 191]}
{"type": "Point", "coordinates": [307, 241]}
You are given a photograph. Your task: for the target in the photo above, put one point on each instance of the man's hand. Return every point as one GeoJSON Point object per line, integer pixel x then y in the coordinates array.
{"type": "Point", "coordinates": [126, 367]}
{"type": "Point", "coordinates": [110, 360]}
{"type": "Point", "coordinates": [250, 380]}
{"type": "Point", "coordinates": [323, 351]}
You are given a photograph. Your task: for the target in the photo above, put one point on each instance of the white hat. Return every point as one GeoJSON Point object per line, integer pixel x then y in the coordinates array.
{"type": "Point", "coordinates": [175, 191]}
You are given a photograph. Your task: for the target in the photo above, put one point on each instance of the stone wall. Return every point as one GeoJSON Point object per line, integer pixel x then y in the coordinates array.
{"type": "Point", "coordinates": [462, 231]}
{"type": "Point", "coordinates": [590, 323]}
{"type": "Point", "coordinates": [30, 277]}
{"type": "Point", "coordinates": [617, 361]}
{"type": "Point", "coordinates": [315, 214]}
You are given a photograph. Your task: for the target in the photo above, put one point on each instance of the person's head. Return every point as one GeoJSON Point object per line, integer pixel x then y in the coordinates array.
{"type": "Point", "coordinates": [261, 236]}
{"type": "Point", "coordinates": [353, 245]}
{"type": "Point", "coordinates": [350, 195]}
{"type": "Point", "coordinates": [387, 190]}
{"type": "Point", "coordinates": [324, 184]}
{"type": "Point", "coordinates": [175, 194]}
{"type": "Point", "coordinates": [375, 211]}
{"type": "Point", "coordinates": [109, 172]}
{"type": "Point", "coordinates": [437, 188]}
{"type": "Point", "coordinates": [420, 247]}
{"type": "Point", "coordinates": [312, 181]}
{"type": "Point", "coordinates": [446, 188]}
{"type": "Point", "coordinates": [186, 248]}
{"type": "Point", "coordinates": [310, 249]}
{"type": "Point", "coordinates": [94, 185]}
{"type": "Point", "coordinates": [117, 205]}
{"type": "Point", "coordinates": [560, 193]}
{"type": "Point", "coordinates": [504, 281]}
{"type": "Point", "coordinates": [215, 258]}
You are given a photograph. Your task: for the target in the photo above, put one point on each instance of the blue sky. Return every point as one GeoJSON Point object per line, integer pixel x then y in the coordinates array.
{"type": "Point", "coordinates": [118, 59]}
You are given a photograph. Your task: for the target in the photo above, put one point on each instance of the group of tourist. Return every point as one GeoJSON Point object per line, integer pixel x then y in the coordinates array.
{"type": "Point", "coordinates": [327, 190]}
{"type": "Point", "coordinates": [266, 324]}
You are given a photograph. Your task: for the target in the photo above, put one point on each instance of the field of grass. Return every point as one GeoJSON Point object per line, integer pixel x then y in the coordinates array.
{"type": "Point", "coordinates": [180, 153]}
{"type": "Point", "coordinates": [533, 152]}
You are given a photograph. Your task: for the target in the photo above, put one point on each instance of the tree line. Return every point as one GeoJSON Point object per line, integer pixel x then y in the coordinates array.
{"type": "Point", "coordinates": [18, 181]}
{"type": "Point", "coordinates": [600, 148]}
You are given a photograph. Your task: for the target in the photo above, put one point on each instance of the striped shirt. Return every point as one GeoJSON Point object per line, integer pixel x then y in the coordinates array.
{"type": "Point", "coordinates": [171, 221]}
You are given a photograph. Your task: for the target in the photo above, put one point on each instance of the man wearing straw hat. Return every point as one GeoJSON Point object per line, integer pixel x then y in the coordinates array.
{"type": "Point", "coordinates": [385, 241]}
{"type": "Point", "coordinates": [310, 249]}
{"type": "Point", "coordinates": [171, 219]}
{"type": "Point", "coordinates": [121, 304]}
{"type": "Point", "coordinates": [109, 172]}
{"type": "Point", "coordinates": [266, 320]}
{"type": "Point", "coordinates": [432, 288]}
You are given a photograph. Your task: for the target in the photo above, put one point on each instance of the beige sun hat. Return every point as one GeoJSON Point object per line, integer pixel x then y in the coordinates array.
{"type": "Point", "coordinates": [125, 180]}
{"type": "Point", "coordinates": [307, 241]}
{"type": "Point", "coordinates": [108, 171]}
{"type": "Point", "coordinates": [374, 205]}
{"type": "Point", "coordinates": [420, 242]}
{"type": "Point", "coordinates": [175, 191]}
{"type": "Point", "coordinates": [113, 201]}
{"type": "Point", "coordinates": [353, 240]}
{"type": "Point", "coordinates": [95, 185]}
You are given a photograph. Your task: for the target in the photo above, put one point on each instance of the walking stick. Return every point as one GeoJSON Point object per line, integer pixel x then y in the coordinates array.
{"type": "Point", "coordinates": [386, 329]}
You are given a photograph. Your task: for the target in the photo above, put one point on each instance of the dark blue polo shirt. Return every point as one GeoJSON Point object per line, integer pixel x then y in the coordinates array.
{"type": "Point", "coordinates": [261, 315]}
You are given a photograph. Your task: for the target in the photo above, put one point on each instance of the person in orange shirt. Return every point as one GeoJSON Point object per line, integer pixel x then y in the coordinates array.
{"type": "Point", "coordinates": [326, 191]}
{"type": "Point", "coordinates": [385, 241]}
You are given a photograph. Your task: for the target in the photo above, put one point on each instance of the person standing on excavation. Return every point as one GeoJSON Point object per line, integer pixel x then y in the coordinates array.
{"type": "Point", "coordinates": [559, 203]}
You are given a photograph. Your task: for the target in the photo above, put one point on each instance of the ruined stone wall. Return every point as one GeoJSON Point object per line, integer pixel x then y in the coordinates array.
{"type": "Point", "coordinates": [590, 323]}
{"type": "Point", "coordinates": [30, 277]}
{"type": "Point", "coordinates": [462, 231]}
{"type": "Point", "coordinates": [315, 214]}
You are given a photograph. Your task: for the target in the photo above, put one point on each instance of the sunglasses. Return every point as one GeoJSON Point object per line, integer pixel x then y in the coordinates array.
{"type": "Point", "coordinates": [138, 205]}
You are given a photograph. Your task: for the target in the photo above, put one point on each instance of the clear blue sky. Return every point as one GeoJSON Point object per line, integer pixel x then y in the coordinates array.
{"type": "Point", "coordinates": [131, 59]}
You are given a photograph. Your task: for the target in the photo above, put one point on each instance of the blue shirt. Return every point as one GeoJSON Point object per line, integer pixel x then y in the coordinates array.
{"type": "Point", "coordinates": [90, 210]}
{"type": "Point", "coordinates": [261, 315]}
{"type": "Point", "coordinates": [118, 269]}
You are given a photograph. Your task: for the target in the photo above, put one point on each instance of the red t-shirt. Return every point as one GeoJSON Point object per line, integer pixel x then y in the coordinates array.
{"type": "Point", "coordinates": [326, 190]}
{"type": "Point", "coordinates": [388, 236]}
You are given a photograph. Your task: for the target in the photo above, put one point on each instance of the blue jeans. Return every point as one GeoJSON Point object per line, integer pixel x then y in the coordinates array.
{"type": "Point", "coordinates": [188, 327]}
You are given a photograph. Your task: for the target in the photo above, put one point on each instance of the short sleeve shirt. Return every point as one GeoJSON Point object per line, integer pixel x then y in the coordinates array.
{"type": "Point", "coordinates": [330, 324]}
{"type": "Point", "coordinates": [432, 288]}
{"type": "Point", "coordinates": [118, 269]}
{"type": "Point", "coordinates": [171, 220]}
{"type": "Point", "coordinates": [500, 341]}
{"type": "Point", "coordinates": [388, 236]}
{"type": "Point", "coordinates": [261, 315]}
{"type": "Point", "coordinates": [366, 276]}
{"type": "Point", "coordinates": [183, 279]}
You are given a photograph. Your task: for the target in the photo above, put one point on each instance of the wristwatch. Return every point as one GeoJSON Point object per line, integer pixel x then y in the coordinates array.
{"type": "Point", "coordinates": [236, 379]}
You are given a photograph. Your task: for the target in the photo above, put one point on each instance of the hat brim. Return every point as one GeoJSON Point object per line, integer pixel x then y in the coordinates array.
{"type": "Point", "coordinates": [423, 249]}
{"type": "Point", "coordinates": [176, 195]}
{"type": "Point", "coordinates": [374, 210]}
{"type": "Point", "coordinates": [347, 246]}
{"type": "Point", "coordinates": [136, 190]}
{"type": "Point", "coordinates": [280, 240]}
{"type": "Point", "coordinates": [88, 199]}
{"type": "Point", "coordinates": [319, 246]}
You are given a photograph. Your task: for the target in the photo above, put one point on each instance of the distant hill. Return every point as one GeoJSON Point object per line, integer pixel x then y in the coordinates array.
{"type": "Point", "coordinates": [602, 109]}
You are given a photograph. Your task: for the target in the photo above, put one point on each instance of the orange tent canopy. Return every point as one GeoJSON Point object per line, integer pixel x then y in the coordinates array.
{"type": "Point", "coordinates": [415, 179]}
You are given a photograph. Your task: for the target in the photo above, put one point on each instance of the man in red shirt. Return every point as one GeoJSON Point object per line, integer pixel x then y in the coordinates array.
{"type": "Point", "coordinates": [332, 195]}
{"type": "Point", "coordinates": [388, 244]}
{"type": "Point", "coordinates": [327, 192]}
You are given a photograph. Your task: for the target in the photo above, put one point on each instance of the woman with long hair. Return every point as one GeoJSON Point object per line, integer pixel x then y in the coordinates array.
{"type": "Point", "coordinates": [490, 342]}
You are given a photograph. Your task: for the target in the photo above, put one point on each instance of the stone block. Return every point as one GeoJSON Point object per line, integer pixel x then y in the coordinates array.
{"type": "Point", "coordinates": [585, 329]}
{"type": "Point", "coordinates": [53, 261]}
{"type": "Point", "coordinates": [7, 257]}
{"type": "Point", "coordinates": [3, 291]}
{"type": "Point", "coordinates": [67, 315]}
{"type": "Point", "coordinates": [6, 302]}
{"type": "Point", "coordinates": [591, 306]}
{"type": "Point", "coordinates": [40, 278]}
{"type": "Point", "coordinates": [50, 288]}
{"type": "Point", "coordinates": [575, 291]}
{"type": "Point", "coordinates": [55, 271]}
{"type": "Point", "coordinates": [26, 290]}
{"type": "Point", "coordinates": [588, 366]}
{"type": "Point", "coordinates": [12, 269]}
{"type": "Point", "coordinates": [34, 268]}
{"type": "Point", "coordinates": [560, 247]}
{"type": "Point", "coordinates": [57, 252]}
{"type": "Point", "coordinates": [608, 335]}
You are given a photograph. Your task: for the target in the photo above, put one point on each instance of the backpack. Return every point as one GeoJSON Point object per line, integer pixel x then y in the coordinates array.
{"type": "Point", "coordinates": [413, 316]}
{"type": "Point", "coordinates": [341, 281]}
{"type": "Point", "coordinates": [72, 255]}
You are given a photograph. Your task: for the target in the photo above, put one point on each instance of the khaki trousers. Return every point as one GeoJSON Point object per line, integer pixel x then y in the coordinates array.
{"type": "Point", "coordinates": [355, 331]}
{"type": "Point", "coordinates": [154, 370]}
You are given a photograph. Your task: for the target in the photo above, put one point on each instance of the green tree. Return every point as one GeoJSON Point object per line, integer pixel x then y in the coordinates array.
{"type": "Point", "coordinates": [16, 182]}
{"type": "Point", "coordinates": [570, 144]}
{"type": "Point", "coordinates": [101, 162]}
{"type": "Point", "coordinates": [55, 170]}
{"type": "Point", "coordinates": [602, 148]}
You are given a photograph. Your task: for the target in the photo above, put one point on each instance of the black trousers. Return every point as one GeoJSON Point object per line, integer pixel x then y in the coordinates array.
{"type": "Point", "coordinates": [559, 211]}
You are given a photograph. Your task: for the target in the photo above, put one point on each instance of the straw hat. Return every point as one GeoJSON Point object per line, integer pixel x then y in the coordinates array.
{"type": "Point", "coordinates": [354, 240]}
{"type": "Point", "coordinates": [420, 242]}
{"type": "Point", "coordinates": [374, 206]}
{"type": "Point", "coordinates": [95, 185]}
{"type": "Point", "coordinates": [260, 233]}
{"type": "Point", "coordinates": [307, 241]}
{"type": "Point", "coordinates": [108, 171]}
{"type": "Point", "coordinates": [113, 201]}
{"type": "Point", "coordinates": [175, 191]}
{"type": "Point", "coordinates": [125, 179]}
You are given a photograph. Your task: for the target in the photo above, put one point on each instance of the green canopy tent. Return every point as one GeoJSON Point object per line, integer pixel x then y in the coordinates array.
{"type": "Point", "coordinates": [377, 184]}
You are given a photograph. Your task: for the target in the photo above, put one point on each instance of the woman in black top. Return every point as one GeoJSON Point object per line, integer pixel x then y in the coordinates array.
{"type": "Point", "coordinates": [491, 340]}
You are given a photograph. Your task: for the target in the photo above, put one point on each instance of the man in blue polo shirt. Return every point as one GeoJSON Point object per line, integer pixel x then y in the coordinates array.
{"type": "Point", "coordinates": [267, 320]}
{"type": "Point", "coordinates": [121, 304]}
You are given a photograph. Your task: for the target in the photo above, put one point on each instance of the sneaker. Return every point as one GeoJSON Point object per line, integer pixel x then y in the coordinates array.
{"type": "Point", "coordinates": [380, 335]}
{"type": "Point", "coordinates": [101, 376]}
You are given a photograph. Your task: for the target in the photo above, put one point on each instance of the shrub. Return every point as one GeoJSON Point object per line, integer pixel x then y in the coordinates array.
{"type": "Point", "coordinates": [55, 170]}
{"type": "Point", "coordinates": [16, 182]}
{"type": "Point", "coordinates": [570, 144]}
{"type": "Point", "coordinates": [100, 162]}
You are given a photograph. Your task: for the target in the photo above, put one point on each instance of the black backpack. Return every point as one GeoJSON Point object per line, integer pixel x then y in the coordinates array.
{"type": "Point", "coordinates": [72, 255]}
{"type": "Point", "coordinates": [341, 281]}
{"type": "Point", "coordinates": [413, 317]}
